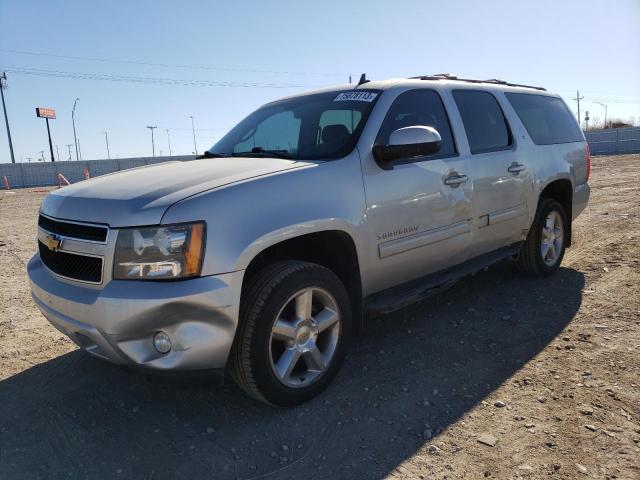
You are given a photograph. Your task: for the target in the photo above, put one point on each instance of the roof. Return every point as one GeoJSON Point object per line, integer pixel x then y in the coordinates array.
{"type": "Point", "coordinates": [440, 80]}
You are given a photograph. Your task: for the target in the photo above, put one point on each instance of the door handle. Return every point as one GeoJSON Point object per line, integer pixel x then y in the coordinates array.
{"type": "Point", "coordinates": [455, 179]}
{"type": "Point", "coordinates": [516, 168]}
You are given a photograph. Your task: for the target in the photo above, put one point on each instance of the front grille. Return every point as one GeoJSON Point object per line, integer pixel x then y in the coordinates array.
{"type": "Point", "coordinates": [70, 265]}
{"type": "Point", "coordinates": [73, 230]}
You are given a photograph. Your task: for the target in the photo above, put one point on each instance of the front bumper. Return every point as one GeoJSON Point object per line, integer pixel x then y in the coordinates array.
{"type": "Point", "coordinates": [118, 321]}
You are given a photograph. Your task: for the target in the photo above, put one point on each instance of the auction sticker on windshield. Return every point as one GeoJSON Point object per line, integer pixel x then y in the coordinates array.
{"type": "Point", "coordinates": [355, 97]}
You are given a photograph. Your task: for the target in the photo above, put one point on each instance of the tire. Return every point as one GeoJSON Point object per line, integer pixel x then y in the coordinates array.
{"type": "Point", "coordinates": [263, 351]}
{"type": "Point", "coordinates": [530, 259]}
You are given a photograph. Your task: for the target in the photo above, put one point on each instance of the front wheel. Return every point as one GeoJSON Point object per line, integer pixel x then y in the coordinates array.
{"type": "Point", "coordinates": [295, 325]}
{"type": "Point", "coordinates": [543, 250]}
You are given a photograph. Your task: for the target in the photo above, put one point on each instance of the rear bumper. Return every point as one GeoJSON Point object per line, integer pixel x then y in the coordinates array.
{"type": "Point", "coordinates": [118, 322]}
{"type": "Point", "coordinates": [581, 195]}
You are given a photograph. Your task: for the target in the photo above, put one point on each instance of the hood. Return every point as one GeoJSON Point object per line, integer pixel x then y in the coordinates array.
{"type": "Point", "coordinates": [140, 196]}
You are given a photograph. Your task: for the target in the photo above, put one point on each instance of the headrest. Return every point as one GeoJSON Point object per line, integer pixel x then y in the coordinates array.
{"type": "Point", "coordinates": [334, 133]}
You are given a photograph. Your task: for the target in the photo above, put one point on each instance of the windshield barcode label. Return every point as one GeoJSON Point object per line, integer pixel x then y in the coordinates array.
{"type": "Point", "coordinates": [355, 97]}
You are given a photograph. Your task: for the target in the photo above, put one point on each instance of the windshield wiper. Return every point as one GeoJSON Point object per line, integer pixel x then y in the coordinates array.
{"type": "Point", "coordinates": [262, 151]}
{"type": "Point", "coordinates": [212, 155]}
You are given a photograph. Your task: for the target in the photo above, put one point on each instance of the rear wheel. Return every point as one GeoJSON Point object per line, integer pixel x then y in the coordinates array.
{"type": "Point", "coordinates": [295, 323]}
{"type": "Point", "coordinates": [543, 250]}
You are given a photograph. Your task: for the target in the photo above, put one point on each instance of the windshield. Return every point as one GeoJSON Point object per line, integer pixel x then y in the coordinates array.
{"type": "Point", "coordinates": [319, 126]}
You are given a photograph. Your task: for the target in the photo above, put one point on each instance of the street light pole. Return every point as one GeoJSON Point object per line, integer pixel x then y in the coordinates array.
{"type": "Point", "coordinates": [605, 112]}
{"type": "Point", "coordinates": [3, 85]}
{"type": "Point", "coordinates": [193, 130]}
{"type": "Point", "coordinates": [73, 122]}
{"type": "Point", "coordinates": [169, 140]}
{"type": "Point", "coordinates": [153, 146]}
{"type": "Point", "coordinates": [106, 139]}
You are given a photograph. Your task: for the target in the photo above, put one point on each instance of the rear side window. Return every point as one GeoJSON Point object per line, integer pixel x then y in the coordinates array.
{"type": "Point", "coordinates": [483, 120]}
{"type": "Point", "coordinates": [418, 107]}
{"type": "Point", "coordinates": [547, 119]}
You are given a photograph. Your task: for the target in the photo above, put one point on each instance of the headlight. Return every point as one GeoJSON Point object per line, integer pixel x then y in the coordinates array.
{"type": "Point", "coordinates": [159, 253]}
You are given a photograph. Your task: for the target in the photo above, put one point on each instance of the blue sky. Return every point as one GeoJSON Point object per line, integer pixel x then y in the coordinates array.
{"type": "Point", "coordinates": [566, 45]}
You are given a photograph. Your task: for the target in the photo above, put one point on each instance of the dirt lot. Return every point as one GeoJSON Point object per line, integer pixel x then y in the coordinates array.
{"type": "Point", "coordinates": [549, 368]}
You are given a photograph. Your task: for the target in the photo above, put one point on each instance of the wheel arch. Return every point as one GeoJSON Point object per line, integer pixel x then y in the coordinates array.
{"type": "Point", "coordinates": [561, 190]}
{"type": "Point", "coordinates": [332, 248]}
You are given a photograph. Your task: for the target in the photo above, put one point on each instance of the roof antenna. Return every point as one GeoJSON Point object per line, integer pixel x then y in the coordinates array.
{"type": "Point", "coordinates": [363, 79]}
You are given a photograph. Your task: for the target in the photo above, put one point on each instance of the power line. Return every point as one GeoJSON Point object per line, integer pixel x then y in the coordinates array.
{"type": "Point", "coordinates": [153, 64]}
{"type": "Point", "coordinates": [149, 80]}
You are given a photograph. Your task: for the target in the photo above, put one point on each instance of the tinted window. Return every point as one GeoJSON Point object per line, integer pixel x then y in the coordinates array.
{"type": "Point", "coordinates": [418, 107]}
{"type": "Point", "coordinates": [483, 120]}
{"type": "Point", "coordinates": [547, 119]}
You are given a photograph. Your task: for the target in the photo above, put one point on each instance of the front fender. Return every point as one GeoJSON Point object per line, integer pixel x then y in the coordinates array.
{"type": "Point", "coordinates": [245, 218]}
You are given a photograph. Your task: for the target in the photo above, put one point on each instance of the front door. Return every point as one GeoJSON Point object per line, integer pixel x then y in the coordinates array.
{"type": "Point", "coordinates": [418, 210]}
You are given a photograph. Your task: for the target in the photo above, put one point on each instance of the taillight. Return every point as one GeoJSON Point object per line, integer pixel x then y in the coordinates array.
{"type": "Point", "coordinates": [588, 158]}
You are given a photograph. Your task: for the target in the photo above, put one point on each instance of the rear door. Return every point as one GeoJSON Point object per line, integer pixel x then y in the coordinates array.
{"type": "Point", "coordinates": [497, 170]}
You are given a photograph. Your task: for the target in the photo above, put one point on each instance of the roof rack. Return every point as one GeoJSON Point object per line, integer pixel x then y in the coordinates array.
{"type": "Point", "coordinates": [495, 81]}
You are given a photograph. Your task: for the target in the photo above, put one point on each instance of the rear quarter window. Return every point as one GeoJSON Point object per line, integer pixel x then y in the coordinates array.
{"type": "Point", "coordinates": [547, 119]}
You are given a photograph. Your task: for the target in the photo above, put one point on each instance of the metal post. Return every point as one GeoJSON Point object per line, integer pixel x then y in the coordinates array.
{"type": "Point", "coordinates": [50, 144]}
{"type": "Point", "coordinates": [42, 155]}
{"type": "Point", "coordinates": [169, 140]}
{"type": "Point", "coordinates": [153, 146]}
{"type": "Point", "coordinates": [193, 129]}
{"type": "Point", "coordinates": [57, 152]}
{"type": "Point", "coordinates": [106, 139]}
{"type": "Point", "coordinates": [69, 147]}
{"type": "Point", "coordinates": [578, 98]}
{"type": "Point", "coordinates": [3, 85]}
{"type": "Point", "coordinates": [73, 122]}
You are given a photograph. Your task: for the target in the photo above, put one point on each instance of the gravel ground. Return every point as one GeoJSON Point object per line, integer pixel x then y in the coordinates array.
{"type": "Point", "coordinates": [500, 377]}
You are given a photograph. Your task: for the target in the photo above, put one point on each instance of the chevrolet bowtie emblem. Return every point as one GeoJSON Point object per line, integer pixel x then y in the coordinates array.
{"type": "Point", "coordinates": [53, 242]}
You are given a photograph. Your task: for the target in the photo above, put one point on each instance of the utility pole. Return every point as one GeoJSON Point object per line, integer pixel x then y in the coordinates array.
{"type": "Point", "coordinates": [153, 145]}
{"type": "Point", "coordinates": [29, 159]}
{"type": "Point", "coordinates": [577, 99]}
{"type": "Point", "coordinates": [106, 139]}
{"type": "Point", "coordinates": [169, 140]}
{"type": "Point", "coordinates": [41, 152]}
{"type": "Point", "coordinates": [3, 86]}
{"type": "Point", "coordinates": [57, 153]}
{"type": "Point", "coordinates": [73, 122]}
{"type": "Point", "coordinates": [69, 147]}
{"type": "Point", "coordinates": [193, 129]}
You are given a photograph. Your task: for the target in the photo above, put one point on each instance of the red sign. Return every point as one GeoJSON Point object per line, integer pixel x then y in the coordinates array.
{"type": "Point", "coordinates": [45, 112]}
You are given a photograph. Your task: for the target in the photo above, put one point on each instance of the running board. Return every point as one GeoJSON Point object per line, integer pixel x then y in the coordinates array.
{"type": "Point", "coordinates": [400, 296]}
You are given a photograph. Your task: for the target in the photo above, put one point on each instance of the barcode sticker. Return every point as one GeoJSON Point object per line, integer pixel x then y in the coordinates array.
{"type": "Point", "coordinates": [355, 97]}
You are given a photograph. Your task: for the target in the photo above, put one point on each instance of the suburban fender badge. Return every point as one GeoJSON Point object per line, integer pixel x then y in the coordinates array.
{"type": "Point", "coordinates": [53, 242]}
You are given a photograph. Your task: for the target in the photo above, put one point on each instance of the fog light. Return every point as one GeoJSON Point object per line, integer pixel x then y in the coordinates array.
{"type": "Point", "coordinates": [162, 342]}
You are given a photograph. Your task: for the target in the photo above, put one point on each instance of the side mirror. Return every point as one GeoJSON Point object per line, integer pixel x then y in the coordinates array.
{"type": "Point", "coordinates": [408, 142]}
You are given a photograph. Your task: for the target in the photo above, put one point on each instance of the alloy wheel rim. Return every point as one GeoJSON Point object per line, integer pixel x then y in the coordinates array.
{"type": "Point", "coordinates": [552, 238]}
{"type": "Point", "coordinates": [304, 337]}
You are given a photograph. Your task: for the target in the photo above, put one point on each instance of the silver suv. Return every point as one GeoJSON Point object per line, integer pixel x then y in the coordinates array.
{"type": "Point", "coordinates": [264, 256]}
